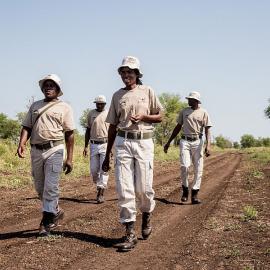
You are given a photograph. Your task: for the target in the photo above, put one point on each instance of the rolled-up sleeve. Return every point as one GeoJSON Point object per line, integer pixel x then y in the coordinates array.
{"type": "Point", "coordinates": [155, 105]}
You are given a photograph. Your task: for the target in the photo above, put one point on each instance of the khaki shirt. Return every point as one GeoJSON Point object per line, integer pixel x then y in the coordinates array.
{"type": "Point", "coordinates": [98, 126]}
{"type": "Point", "coordinates": [52, 124]}
{"type": "Point", "coordinates": [193, 121]}
{"type": "Point", "coordinates": [140, 100]}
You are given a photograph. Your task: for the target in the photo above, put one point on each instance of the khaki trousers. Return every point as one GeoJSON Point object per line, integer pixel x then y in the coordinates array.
{"type": "Point", "coordinates": [191, 152]}
{"type": "Point", "coordinates": [46, 170]}
{"type": "Point", "coordinates": [134, 176]}
{"type": "Point", "coordinates": [97, 156]}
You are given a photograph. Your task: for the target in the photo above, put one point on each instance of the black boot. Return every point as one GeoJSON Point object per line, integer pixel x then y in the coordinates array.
{"type": "Point", "coordinates": [49, 222]}
{"type": "Point", "coordinates": [194, 196]}
{"type": "Point", "coordinates": [185, 194]}
{"type": "Point", "coordinates": [44, 227]}
{"type": "Point", "coordinates": [146, 227]}
{"type": "Point", "coordinates": [130, 239]}
{"type": "Point", "coordinates": [100, 195]}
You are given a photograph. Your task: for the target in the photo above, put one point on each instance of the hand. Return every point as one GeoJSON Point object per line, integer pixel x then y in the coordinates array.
{"type": "Point", "coordinates": [21, 151]}
{"type": "Point", "coordinates": [106, 164]}
{"type": "Point", "coordinates": [67, 167]}
{"type": "Point", "coordinates": [166, 147]}
{"type": "Point", "coordinates": [207, 152]}
{"type": "Point", "coordinates": [136, 118]}
{"type": "Point", "coordinates": [85, 151]}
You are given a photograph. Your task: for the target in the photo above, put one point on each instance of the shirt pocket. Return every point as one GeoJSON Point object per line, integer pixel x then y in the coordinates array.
{"type": "Point", "coordinates": [142, 105]}
{"type": "Point", "coordinates": [55, 117]}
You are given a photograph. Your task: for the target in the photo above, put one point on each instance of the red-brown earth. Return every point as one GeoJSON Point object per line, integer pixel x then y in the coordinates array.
{"type": "Point", "coordinates": [212, 235]}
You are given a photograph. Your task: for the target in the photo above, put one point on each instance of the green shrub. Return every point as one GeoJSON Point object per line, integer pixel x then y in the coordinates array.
{"type": "Point", "coordinates": [249, 213]}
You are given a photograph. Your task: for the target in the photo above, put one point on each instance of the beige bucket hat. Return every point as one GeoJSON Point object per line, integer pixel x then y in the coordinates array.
{"type": "Point", "coordinates": [100, 99]}
{"type": "Point", "coordinates": [132, 62]}
{"type": "Point", "coordinates": [54, 78]}
{"type": "Point", "coordinates": [194, 95]}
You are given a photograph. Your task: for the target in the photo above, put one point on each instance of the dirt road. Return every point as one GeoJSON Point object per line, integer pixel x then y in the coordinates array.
{"type": "Point", "coordinates": [86, 237]}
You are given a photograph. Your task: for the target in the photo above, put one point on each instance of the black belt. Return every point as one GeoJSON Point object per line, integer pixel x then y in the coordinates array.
{"type": "Point", "coordinates": [47, 145]}
{"type": "Point", "coordinates": [140, 135]}
{"type": "Point", "coordinates": [191, 139]}
{"type": "Point", "coordinates": [98, 142]}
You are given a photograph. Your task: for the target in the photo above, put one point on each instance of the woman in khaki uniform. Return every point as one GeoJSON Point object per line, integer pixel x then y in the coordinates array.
{"type": "Point", "coordinates": [97, 134]}
{"type": "Point", "coordinates": [48, 123]}
{"type": "Point", "coordinates": [193, 121]}
{"type": "Point", "coordinates": [132, 111]}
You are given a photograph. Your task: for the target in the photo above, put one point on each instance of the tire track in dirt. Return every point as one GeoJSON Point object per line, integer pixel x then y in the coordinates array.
{"type": "Point", "coordinates": [168, 226]}
{"type": "Point", "coordinates": [84, 200]}
{"type": "Point", "coordinates": [104, 236]}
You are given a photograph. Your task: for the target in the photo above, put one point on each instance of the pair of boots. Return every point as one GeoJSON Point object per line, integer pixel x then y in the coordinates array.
{"type": "Point", "coordinates": [194, 195]}
{"type": "Point", "coordinates": [49, 222]}
{"type": "Point", "coordinates": [130, 239]}
{"type": "Point", "coordinates": [100, 195]}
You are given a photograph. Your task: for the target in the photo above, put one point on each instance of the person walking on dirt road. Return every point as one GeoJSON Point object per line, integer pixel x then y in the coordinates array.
{"type": "Point", "coordinates": [97, 133]}
{"type": "Point", "coordinates": [48, 123]}
{"type": "Point", "coordinates": [192, 120]}
{"type": "Point", "coordinates": [132, 111]}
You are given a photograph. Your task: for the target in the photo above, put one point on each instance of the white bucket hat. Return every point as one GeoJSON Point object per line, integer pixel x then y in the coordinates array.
{"type": "Point", "coordinates": [132, 62]}
{"type": "Point", "coordinates": [194, 95]}
{"type": "Point", "coordinates": [100, 99]}
{"type": "Point", "coordinates": [54, 78]}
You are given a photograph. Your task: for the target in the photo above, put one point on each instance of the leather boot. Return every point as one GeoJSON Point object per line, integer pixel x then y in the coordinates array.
{"type": "Point", "coordinates": [100, 195]}
{"type": "Point", "coordinates": [44, 227]}
{"type": "Point", "coordinates": [146, 227]}
{"type": "Point", "coordinates": [130, 239]}
{"type": "Point", "coordinates": [194, 196]}
{"type": "Point", "coordinates": [185, 194]}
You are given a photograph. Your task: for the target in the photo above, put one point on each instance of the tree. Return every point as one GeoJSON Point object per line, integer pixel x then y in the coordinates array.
{"type": "Point", "coordinates": [267, 110]}
{"type": "Point", "coordinates": [172, 105]}
{"type": "Point", "coordinates": [9, 129]}
{"type": "Point", "coordinates": [236, 145]}
{"type": "Point", "coordinates": [21, 116]}
{"type": "Point", "coordinates": [266, 142]}
{"type": "Point", "coordinates": [222, 142]}
{"type": "Point", "coordinates": [83, 118]}
{"type": "Point", "coordinates": [247, 141]}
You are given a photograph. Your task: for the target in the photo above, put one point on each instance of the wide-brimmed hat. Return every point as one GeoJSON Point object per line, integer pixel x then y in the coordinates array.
{"type": "Point", "coordinates": [54, 78]}
{"type": "Point", "coordinates": [133, 63]}
{"type": "Point", "coordinates": [100, 99]}
{"type": "Point", "coordinates": [194, 95]}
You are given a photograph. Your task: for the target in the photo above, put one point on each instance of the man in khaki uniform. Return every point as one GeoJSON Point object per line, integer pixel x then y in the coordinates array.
{"type": "Point", "coordinates": [133, 110]}
{"type": "Point", "coordinates": [193, 121]}
{"type": "Point", "coordinates": [97, 133]}
{"type": "Point", "coordinates": [48, 123]}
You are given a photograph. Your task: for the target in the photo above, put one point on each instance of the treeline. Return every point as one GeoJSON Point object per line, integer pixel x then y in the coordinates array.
{"type": "Point", "coordinates": [246, 141]}
{"type": "Point", "coordinates": [10, 129]}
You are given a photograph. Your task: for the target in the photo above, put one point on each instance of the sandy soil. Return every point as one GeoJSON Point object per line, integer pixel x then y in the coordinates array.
{"type": "Point", "coordinates": [211, 235]}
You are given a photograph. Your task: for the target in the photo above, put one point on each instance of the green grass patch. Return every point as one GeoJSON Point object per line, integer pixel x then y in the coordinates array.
{"type": "Point", "coordinates": [259, 154]}
{"type": "Point", "coordinates": [15, 172]}
{"type": "Point", "coordinates": [50, 238]}
{"type": "Point", "coordinates": [231, 227]}
{"type": "Point", "coordinates": [249, 213]}
{"type": "Point", "coordinates": [173, 153]}
{"type": "Point", "coordinates": [257, 174]}
{"type": "Point", "coordinates": [232, 252]}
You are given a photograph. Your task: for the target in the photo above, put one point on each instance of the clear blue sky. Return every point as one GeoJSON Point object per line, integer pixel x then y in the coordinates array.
{"type": "Point", "coordinates": [219, 48]}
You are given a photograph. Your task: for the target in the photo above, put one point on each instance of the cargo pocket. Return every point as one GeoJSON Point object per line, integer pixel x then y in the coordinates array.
{"type": "Point", "coordinates": [119, 178]}
{"type": "Point", "coordinates": [57, 168]}
{"type": "Point", "coordinates": [148, 176]}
